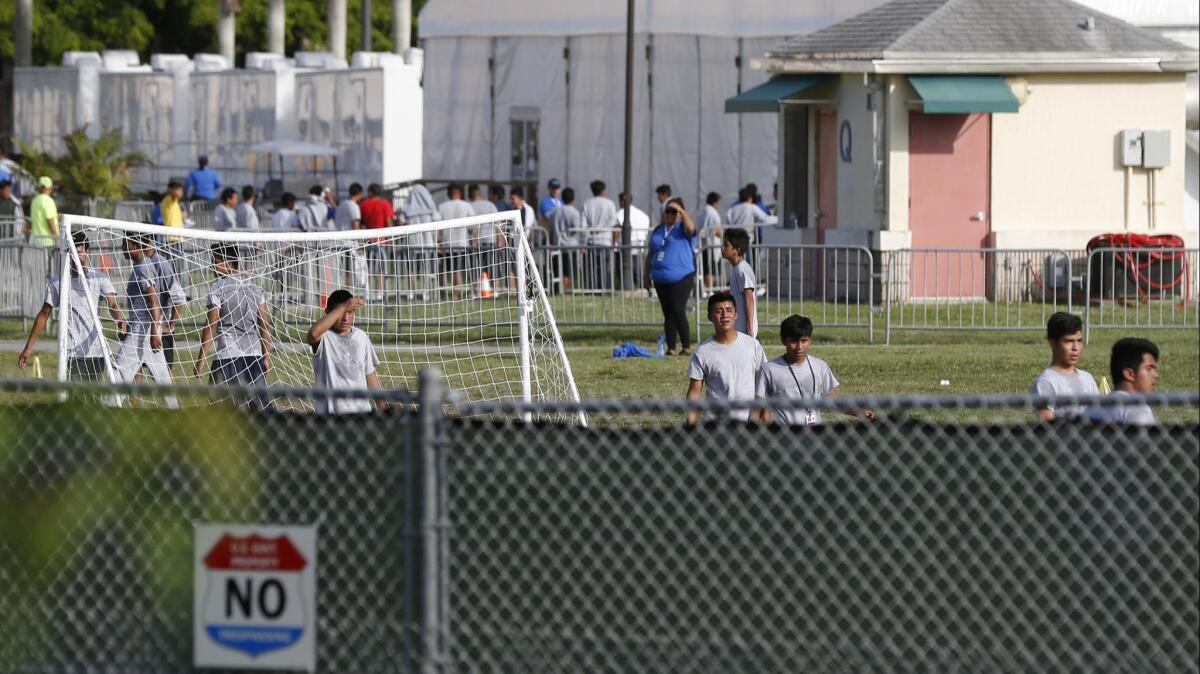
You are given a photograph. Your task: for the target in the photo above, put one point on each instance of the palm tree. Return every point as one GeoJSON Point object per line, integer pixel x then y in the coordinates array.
{"type": "Point", "coordinates": [95, 169]}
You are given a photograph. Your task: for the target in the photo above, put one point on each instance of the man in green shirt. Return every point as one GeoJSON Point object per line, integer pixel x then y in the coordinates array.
{"type": "Point", "coordinates": [43, 216]}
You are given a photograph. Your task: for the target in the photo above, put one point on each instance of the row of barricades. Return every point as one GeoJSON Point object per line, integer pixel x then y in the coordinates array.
{"type": "Point", "coordinates": [837, 286]}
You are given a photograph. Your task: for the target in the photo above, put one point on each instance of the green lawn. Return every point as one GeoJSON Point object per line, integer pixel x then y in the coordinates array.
{"type": "Point", "coordinates": [975, 362]}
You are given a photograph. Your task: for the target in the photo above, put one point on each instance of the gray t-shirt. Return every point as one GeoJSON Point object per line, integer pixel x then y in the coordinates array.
{"type": "Point", "coordinates": [347, 213]}
{"type": "Point", "coordinates": [224, 218]}
{"type": "Point", "coordinates": [708, 224]}
{"type": "Point", "coordinates": [1125, 415]}
{"type": "Point", "coordinates": [729, 371]}
{"type": "Point", "coordinates": [741, 279]}
{"type": "Point", "coordinates": [343, 362]}
{"type": "Point", "coordinates": [564, 220]}
{"type": "Point", "coordinates": [81, 327]}
{"type": "Point", "coordinates": [143, 276]}
{"type": "Point", "coordinates": [600, 213]}
{"type": "Point", "coordinates": [808, 379]}
{"type": "Point", "coordinates": [247, 216]}
{"type": "Point", "coordinates": [483, 207]}
{"type": "Point", "coordinates": [745, 214]}
{"type": "Point", "coordinates": [170, 292]}
{"type": "Point", "coordinates": [237, 301]}
{"type": "Point", "coordinates": [1051, 382]}
{"type": "Point", "coordinates": [456, 237]}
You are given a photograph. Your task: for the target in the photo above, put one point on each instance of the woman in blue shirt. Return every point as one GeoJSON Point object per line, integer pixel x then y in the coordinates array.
{"type": "Point", "coordinates": [671, 266]}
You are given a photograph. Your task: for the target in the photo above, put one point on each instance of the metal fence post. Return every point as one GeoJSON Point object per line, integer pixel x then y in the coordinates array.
{"type": "Point", "coordinates": [429, 580]}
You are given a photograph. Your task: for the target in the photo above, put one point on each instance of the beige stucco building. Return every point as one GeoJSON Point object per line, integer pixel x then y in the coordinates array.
{"type": "Point", "coordinates": [978, 124]}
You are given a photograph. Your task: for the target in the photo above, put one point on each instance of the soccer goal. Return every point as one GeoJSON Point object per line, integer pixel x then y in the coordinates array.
{"type": "Point", "coordinates": [462, 295]}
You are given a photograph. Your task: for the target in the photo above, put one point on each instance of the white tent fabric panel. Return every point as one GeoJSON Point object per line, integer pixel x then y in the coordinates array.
{"type": "Point", "coordinates": [759, 132]}
{"type": "Point", "coordinates": [597, 117]}
{"type": "Point", "coordinates": [718, 130]}
{"type": "Point", "coordinates": [458, 133]}
{"type": "Point", "coordinates": [746, 18]}
{"type": "Point", "coordinates": [675, 99]}
{"type": "Point", "coordinates": [531, 72]}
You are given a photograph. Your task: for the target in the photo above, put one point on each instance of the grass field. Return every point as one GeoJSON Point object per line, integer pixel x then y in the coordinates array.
{"type": "Point", "coordinates": [975, 362]}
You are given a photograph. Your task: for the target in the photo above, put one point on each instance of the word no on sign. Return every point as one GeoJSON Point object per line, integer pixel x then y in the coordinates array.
{"type": "Point", "coordinates": [255, 597]}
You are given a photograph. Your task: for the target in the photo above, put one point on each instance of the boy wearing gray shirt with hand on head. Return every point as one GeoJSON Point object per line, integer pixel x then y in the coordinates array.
{"type": "Point", "coordinates": [343, 356]}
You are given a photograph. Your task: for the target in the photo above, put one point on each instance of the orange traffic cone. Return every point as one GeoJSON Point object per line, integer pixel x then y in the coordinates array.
{"type": "Point", "coordinates": [485, 287]}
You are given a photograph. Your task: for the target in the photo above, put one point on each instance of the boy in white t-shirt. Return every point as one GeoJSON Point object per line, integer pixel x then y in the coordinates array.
{"type": "Point", "coordinates": [729, 365]}
{"type": "Point", "coordinates": [735, 243]}
{"type": "Point", "coordinates": [343, 357]}
{"type": "Point", "coordinates": [1064, 334]}
{"type": "Point", "coordinates": [1134, 369]}
{"type": "Point", "coordinates": [86, 359]}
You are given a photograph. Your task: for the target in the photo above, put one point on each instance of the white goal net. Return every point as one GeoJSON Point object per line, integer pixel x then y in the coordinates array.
{"type": "Point", "coordinates": [461, 295]}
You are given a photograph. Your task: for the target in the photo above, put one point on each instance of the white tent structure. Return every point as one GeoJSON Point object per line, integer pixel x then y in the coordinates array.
{"type": "Point", "coordinates": [555, 71]}
{"type": "Point", "coordinates": [552, 74]}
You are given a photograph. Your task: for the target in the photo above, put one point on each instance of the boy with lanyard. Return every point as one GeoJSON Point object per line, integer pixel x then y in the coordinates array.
{"type": "Point", "coordinates": [796, 374]}
{"type": "Point", "coordinates": [143, 345]}
{"type": "Point", "coordinates": [86, 362]}
{"type": "Point", "coordinates": [1064, 334]}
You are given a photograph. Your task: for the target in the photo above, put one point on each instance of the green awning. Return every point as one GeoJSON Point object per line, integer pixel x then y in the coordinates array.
{"type": "Point", "coordinates": [766, 96]}
{"type": "Point", "coordinates": [958, 94]}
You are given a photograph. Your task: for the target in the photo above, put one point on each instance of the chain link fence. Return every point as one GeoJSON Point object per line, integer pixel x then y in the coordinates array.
{"type": "Point", "coordinates": [949, 535]}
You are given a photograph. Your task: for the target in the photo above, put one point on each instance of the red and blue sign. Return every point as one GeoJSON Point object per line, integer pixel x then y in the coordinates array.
{"type": "Point", "coordinates": [254, 596]}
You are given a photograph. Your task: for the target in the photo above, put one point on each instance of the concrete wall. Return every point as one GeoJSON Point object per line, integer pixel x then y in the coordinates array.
{"type": "Point", "coordinates": [1056, 180]}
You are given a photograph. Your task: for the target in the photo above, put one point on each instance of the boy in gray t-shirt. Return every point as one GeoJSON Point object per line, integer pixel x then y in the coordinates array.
{"type": "Point", "coordinates": [799, 375]}
{"type": "Point", "coordinates": [343, 357]}
{"type": "Point", "coordinates": [238, 322]}
{"type": "Point", "coordinates": [1064, 334]}
{"type": "Point", "coordinates": [741, 279]}
{"type": "Point", "coordinates": [1134, 369]}
{"type": "Point", "coordinates": [728, 366]}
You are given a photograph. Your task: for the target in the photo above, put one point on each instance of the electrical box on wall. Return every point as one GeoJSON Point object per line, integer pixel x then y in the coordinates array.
{"type": "Point", "coordinates": [1131, 147]}
{"type": "Point", "coordinates": [1156, 149]}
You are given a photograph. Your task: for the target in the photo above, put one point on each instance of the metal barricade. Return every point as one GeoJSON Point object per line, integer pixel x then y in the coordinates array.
{"type": "Point", "coordinates": [835, 286]}
{"type": "Point", "coordinates": [23, 273]}
{"type": "Point", "coordinates": [978, 289]}
{"type": "Point", "coordinates": [1143, 288]}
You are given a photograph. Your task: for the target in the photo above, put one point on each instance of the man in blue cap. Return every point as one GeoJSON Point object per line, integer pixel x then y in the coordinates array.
{"type": "Point", "coordinates": [552, 200]}
{"type": "Point", "coordinates": [202, 182]}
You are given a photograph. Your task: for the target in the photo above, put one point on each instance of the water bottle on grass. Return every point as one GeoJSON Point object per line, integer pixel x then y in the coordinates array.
{"type": "Point", "coordinates": [662, 346]}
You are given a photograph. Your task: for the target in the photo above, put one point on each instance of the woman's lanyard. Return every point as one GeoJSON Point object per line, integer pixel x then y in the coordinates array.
{"type": "Point", "coordinates": [666, 240]}
{"type": "Point", "coordinates": [797, 380]}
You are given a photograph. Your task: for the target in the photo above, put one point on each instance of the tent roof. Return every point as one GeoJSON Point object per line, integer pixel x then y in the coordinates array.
{"type": "Point", "coordinates": [720, 18]}
{"type": "Point", "coordinates": [294, 148]}
{"type": "Point", "coordinates": [744, 18]}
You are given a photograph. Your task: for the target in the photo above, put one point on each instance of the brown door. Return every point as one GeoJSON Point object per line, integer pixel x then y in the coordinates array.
{"type": "Point", "coordinates": [826, 184]}
{"type": "Point", "coordinates": [827, 164]}
{"type": "Point", "coordinates": [949, 203]}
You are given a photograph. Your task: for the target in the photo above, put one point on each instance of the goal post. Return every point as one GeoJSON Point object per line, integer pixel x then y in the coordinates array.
{"type": "Point", "coordinates": [463, 295]}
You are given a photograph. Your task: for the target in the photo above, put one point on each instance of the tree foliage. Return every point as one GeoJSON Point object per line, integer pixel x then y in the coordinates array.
{"type": "Point", "coordinates": [92, 168]}
{"type": "Point", "coordinates": [182, 26]}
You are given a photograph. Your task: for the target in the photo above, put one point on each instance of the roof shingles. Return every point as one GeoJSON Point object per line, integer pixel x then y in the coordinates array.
{"type": "Point", "coordinates": [929, 27]}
